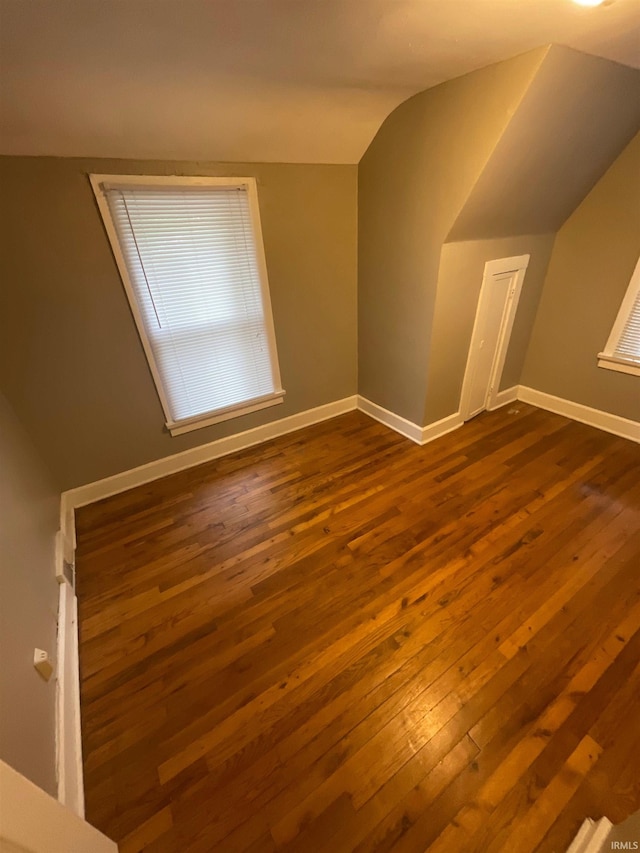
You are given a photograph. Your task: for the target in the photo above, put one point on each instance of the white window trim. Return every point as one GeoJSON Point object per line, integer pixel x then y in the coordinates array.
{"type": "Point", "coordinates": [607, 357]}
{"type": "Point", "coordinates": [99, 183]}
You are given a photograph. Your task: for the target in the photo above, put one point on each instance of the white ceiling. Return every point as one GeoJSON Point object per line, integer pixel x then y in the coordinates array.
{"type": "Point", "coordinates": [258, 80]}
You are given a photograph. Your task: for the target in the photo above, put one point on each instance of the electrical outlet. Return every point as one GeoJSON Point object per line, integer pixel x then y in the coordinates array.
{"type": "Point", "coordinates": [42, 663]}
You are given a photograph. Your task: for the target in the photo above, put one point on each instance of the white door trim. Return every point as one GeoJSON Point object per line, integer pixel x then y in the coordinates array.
{"type": "Point", "coordinates": [501, 266]}
{"type": "Point", "coordinates": [68, 734]}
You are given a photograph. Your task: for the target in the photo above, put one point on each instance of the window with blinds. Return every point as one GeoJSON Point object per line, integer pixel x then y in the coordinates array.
{"type": "Point", "coordinates": [192, 262]}
{"type": "Point", "coordinates": [622, 351]}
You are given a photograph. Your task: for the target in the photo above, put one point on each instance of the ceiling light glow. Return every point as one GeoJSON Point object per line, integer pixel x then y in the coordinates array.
{"type": "Point", "coordinates": [588, 2]}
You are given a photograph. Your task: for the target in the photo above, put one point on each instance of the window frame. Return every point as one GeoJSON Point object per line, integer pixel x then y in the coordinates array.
{"type": "Point", "coordinates": [607, 358]}
{"type": "Point", "coordinates": [98, 183]}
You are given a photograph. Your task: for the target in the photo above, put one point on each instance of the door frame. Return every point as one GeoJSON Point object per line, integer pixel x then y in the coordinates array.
{"type": "Point", "coordinates": [501, 266]}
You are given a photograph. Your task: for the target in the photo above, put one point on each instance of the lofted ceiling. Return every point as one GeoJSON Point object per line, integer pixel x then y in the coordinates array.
{"type": "Point", "coordinates": [577, 115]}
{"type": "Point", "coordinates": [258, 80]}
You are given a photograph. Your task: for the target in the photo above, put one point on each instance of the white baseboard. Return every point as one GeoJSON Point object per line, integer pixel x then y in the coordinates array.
{"type": "Point", "coordinates": [419, 435]}
{"type": "Point", "coordinates": [592, 836]}
{"type": "Point", "coordinates": [406, 428]}
{"type": "Point", "coordinates": [441, 427]}
{"type": "Point", "coordinates": [503, 398]}
{"type": "Point", "coordinates": [578, 412]}
{"type": "Point", "coordinates": [68, 734]}
{"type": "Point", "coordinates": [64, 557]}
{"type": "Point", "coordinates": [82, 495]}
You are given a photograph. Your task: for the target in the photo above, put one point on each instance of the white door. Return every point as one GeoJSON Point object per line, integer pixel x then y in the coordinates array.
{"type": "Point", "coordinates": [501, 286]}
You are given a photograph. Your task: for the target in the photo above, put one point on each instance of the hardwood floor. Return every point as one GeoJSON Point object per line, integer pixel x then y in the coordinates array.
{"type": "Point", "coordinates": [342, 641]}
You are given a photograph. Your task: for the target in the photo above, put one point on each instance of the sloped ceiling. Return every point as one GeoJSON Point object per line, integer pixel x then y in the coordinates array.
{"type": "Point", "coordinates": [271, 80]}
{"type": "Point", "coordinates": [576, 117]}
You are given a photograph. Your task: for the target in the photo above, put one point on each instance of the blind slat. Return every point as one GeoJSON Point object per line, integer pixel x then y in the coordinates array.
{"type": "Point", "coordinates": [628, 347]}
{"type": "Point", "coordinates": [192, 262]}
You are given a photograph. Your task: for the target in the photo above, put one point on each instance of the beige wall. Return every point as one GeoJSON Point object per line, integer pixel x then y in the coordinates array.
{"type": "Point", "coordinates": [593, 258]}
{"type": "Point", "coordinates": [413, 180]}
{"type": "Point", "coordinates": [459, 282]}
{"type": "Point", "coordinates": [576, 117]}
{"type": "Point", "coordinates": [29, 514]}
{"type": "Point", "coordinates": [71, 362]}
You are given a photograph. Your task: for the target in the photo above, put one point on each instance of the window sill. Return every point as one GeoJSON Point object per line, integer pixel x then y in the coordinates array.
{"type": "Point", "coordinates": [180, 427]}
{"type": "Point", "coordinates": [611, 363]}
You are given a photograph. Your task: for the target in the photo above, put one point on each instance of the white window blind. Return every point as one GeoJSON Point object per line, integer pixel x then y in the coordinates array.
{"type": "Point", "coordinates": [193, 265]}
{"type": "Point", "coordinates": [622, 351]}
{"type": "Point", "coordinates": [628, 345]}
